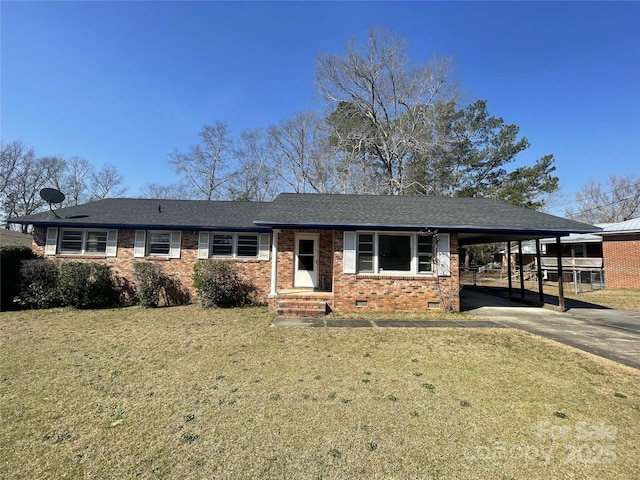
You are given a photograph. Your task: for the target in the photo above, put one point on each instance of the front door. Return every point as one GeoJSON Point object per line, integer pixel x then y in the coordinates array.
{"type": "Point", "coordinates": [306, 261]}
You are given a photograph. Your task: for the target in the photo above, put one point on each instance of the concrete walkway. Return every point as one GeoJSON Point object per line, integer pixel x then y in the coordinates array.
{"type": "Point", "coordinates": [609, 333]}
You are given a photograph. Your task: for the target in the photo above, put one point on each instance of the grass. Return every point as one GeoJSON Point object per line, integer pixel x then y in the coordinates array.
{"type": "Point", "coordinates": [625, 299]}
{"type": "Point", "coordinates": [189, 393]}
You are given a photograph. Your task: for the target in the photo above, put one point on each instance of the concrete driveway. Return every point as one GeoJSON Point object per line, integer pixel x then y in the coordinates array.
{"type": "Point", "coordinates": [609, 333]}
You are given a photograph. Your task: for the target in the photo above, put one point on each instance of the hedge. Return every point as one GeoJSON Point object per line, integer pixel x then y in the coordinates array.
{"type": "Point", "coordinates": [11, 257]}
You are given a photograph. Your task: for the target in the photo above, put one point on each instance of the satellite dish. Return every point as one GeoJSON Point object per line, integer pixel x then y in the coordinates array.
{"type": "Point", "coordinates": [51, 195]}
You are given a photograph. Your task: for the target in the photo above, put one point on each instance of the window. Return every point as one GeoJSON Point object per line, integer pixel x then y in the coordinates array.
{"type": "Point", "coordinates": [365, 253]}
{"type": "Point", "coordinates": [247, 245]}
{"type": "Point", "coordinates": [71, 241]}
{"type": "Point", "coordinates": [83, 242]}
{"type": "Point", "coordinates": [222, 246]}
{"type": "Point", "coordinates": [425, 253]}
{"type": "Point", "coordinates": [159, 243]}
{"type": "Point", "coordinates": [96, 242]}
{"type": "Point", "coordinates": [230, 245]}
{"type": "Point", "coordinates": [392, 253]}
{"type": "Point", "coordinates": [306, 255]}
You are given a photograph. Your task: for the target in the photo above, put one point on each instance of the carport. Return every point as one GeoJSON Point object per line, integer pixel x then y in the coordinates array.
{"type": "Point", "coordinates": [518, 234]}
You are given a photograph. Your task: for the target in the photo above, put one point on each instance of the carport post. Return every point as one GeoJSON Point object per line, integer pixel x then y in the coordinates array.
{"type": "Point", "coordinates": [521, 267]}
{"type": "Point", "coordinates": [509, 267]}
{"type": "Point", "coordinates": [560, 287]}
{"type": "Point", "coordinates": [539, 272]}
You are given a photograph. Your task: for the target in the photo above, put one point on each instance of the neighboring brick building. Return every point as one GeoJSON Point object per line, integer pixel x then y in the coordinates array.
{"type": "Point", "coordinates": [343, 252]}
{"type": "Point", "coordinates": [621, 253]}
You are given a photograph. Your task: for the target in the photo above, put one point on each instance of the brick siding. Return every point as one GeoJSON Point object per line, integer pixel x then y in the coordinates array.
{"type": "Point", "coordinates": [381, 293]}
{"type": "Point", "coordinates": [259, 272]}
{"type": "Point", "coordinates": [286, 258]}
{"type": "Point", "coordinates": [621, 254]}
{"type": "Point", "coordinates": [394, 293]}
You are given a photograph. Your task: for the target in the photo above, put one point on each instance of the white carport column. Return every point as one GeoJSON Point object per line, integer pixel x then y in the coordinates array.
{"type": "Point", "coordinates": [274, 265]}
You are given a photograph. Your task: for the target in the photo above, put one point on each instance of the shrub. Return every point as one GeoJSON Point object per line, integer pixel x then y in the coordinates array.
{"type": "Point", "coordinates": [87, 285]}
{"type": "Point", "coordinates": [154, 287]}
{"type": "Point", "coordinates": [174, 293]}
{"type": "Point", "coordinates": [11, 257]}
{"type": "Point", "coordinates": [126, 291]}
{"type": "Point", "coordinates": [38, 283]}
{"type": "Point", "coordinates": [148, 283]}
{"type": "Point", "coordinates": [219, 284]}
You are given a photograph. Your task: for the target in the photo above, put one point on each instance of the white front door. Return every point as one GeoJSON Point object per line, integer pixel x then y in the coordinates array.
{"type": "Point", "coordinates": [306, 261]}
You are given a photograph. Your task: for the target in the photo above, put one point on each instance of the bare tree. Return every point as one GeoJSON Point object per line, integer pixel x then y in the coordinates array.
{"type": "Point", "coordinates": [256, 178]}
{"type": "Point", "coordinates": [304, 160]}
{"type": "Point", "coordinates": [386, 101]}
{"type": "Point", "coordinates": [206, 167]}
{"type": "Point", "coordinates": [615, 201]}
{"type": "Point", "coordinates": [23, 175]}
{"type": "Point", "coordinates": [175, 191]}
{"type": "Point", "coordinates": [76, 180]}
{"type": "Point", "coordinates": [22, 195]}
{"type": "Point", "coordinates": [12, 155]}
{"type": "Point", "coordinates": [105, 183]}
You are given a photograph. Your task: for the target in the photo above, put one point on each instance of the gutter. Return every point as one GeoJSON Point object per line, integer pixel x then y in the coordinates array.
{"type": "Point", "coordinates": [121, 226]}
{"type": "Point", "coordinates": [447, 228]}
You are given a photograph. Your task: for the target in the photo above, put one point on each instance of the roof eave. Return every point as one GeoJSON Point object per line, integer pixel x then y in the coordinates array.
{"type": "Point", "coordinates": [618, 232]}
{"type": "Point", "coordinates": [142, 226]}
{"type": "Point", "coordinates": [444, 227]}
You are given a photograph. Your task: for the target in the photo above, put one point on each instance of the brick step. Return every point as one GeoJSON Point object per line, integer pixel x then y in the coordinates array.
{"type": "Point", "coordinates": [298, 307]}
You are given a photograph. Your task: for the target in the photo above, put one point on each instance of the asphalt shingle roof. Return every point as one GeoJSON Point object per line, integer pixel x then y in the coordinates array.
{"type": "Point", "coordinates": [453, 213]}
{"type": "Point", "coordinates": [475, 219]}
{"type": "Point", "coordinates": [154, 214]}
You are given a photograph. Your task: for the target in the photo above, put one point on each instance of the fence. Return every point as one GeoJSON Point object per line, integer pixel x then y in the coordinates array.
{"type": "Point", "coordinates": [580, 281]}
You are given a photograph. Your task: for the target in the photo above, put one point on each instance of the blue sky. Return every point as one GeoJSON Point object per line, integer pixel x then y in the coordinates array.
{"type": "Point", "coordinates": [127, 83]}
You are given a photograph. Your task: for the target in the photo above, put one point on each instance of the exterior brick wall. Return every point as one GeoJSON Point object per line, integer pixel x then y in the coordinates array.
{"type": "Point", "coordinates": [286, 258]}
{"type": "Point", "coordinates": [259, 272]}
{"type": "Point", "coordinates": [394, 293]}
{"type": "Point", "coordinates": [621, 254]}
{"type": "Point", "coordinates": [381, 293]}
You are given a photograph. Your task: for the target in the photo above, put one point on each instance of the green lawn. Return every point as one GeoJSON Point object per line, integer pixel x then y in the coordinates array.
{"type": "Point", "coordinates": [190, 393]}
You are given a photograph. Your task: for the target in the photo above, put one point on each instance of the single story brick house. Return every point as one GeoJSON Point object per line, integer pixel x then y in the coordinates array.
{"type": "Point", "coordinates": [302, 251]}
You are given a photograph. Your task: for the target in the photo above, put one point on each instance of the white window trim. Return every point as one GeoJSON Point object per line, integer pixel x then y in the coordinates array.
{"type": "Point", "coordinates": [143, 239]}
{"type": "Point", "coordinates": [205, 245]}
{"type": "Point", "coordinates": [54, 242]}
{"type": "Point", "coordinates": [148, 245]}
{"type": "Point", "coordinates": [412, 246]}
{"type": "Point", "coordinates": [351, 254]}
